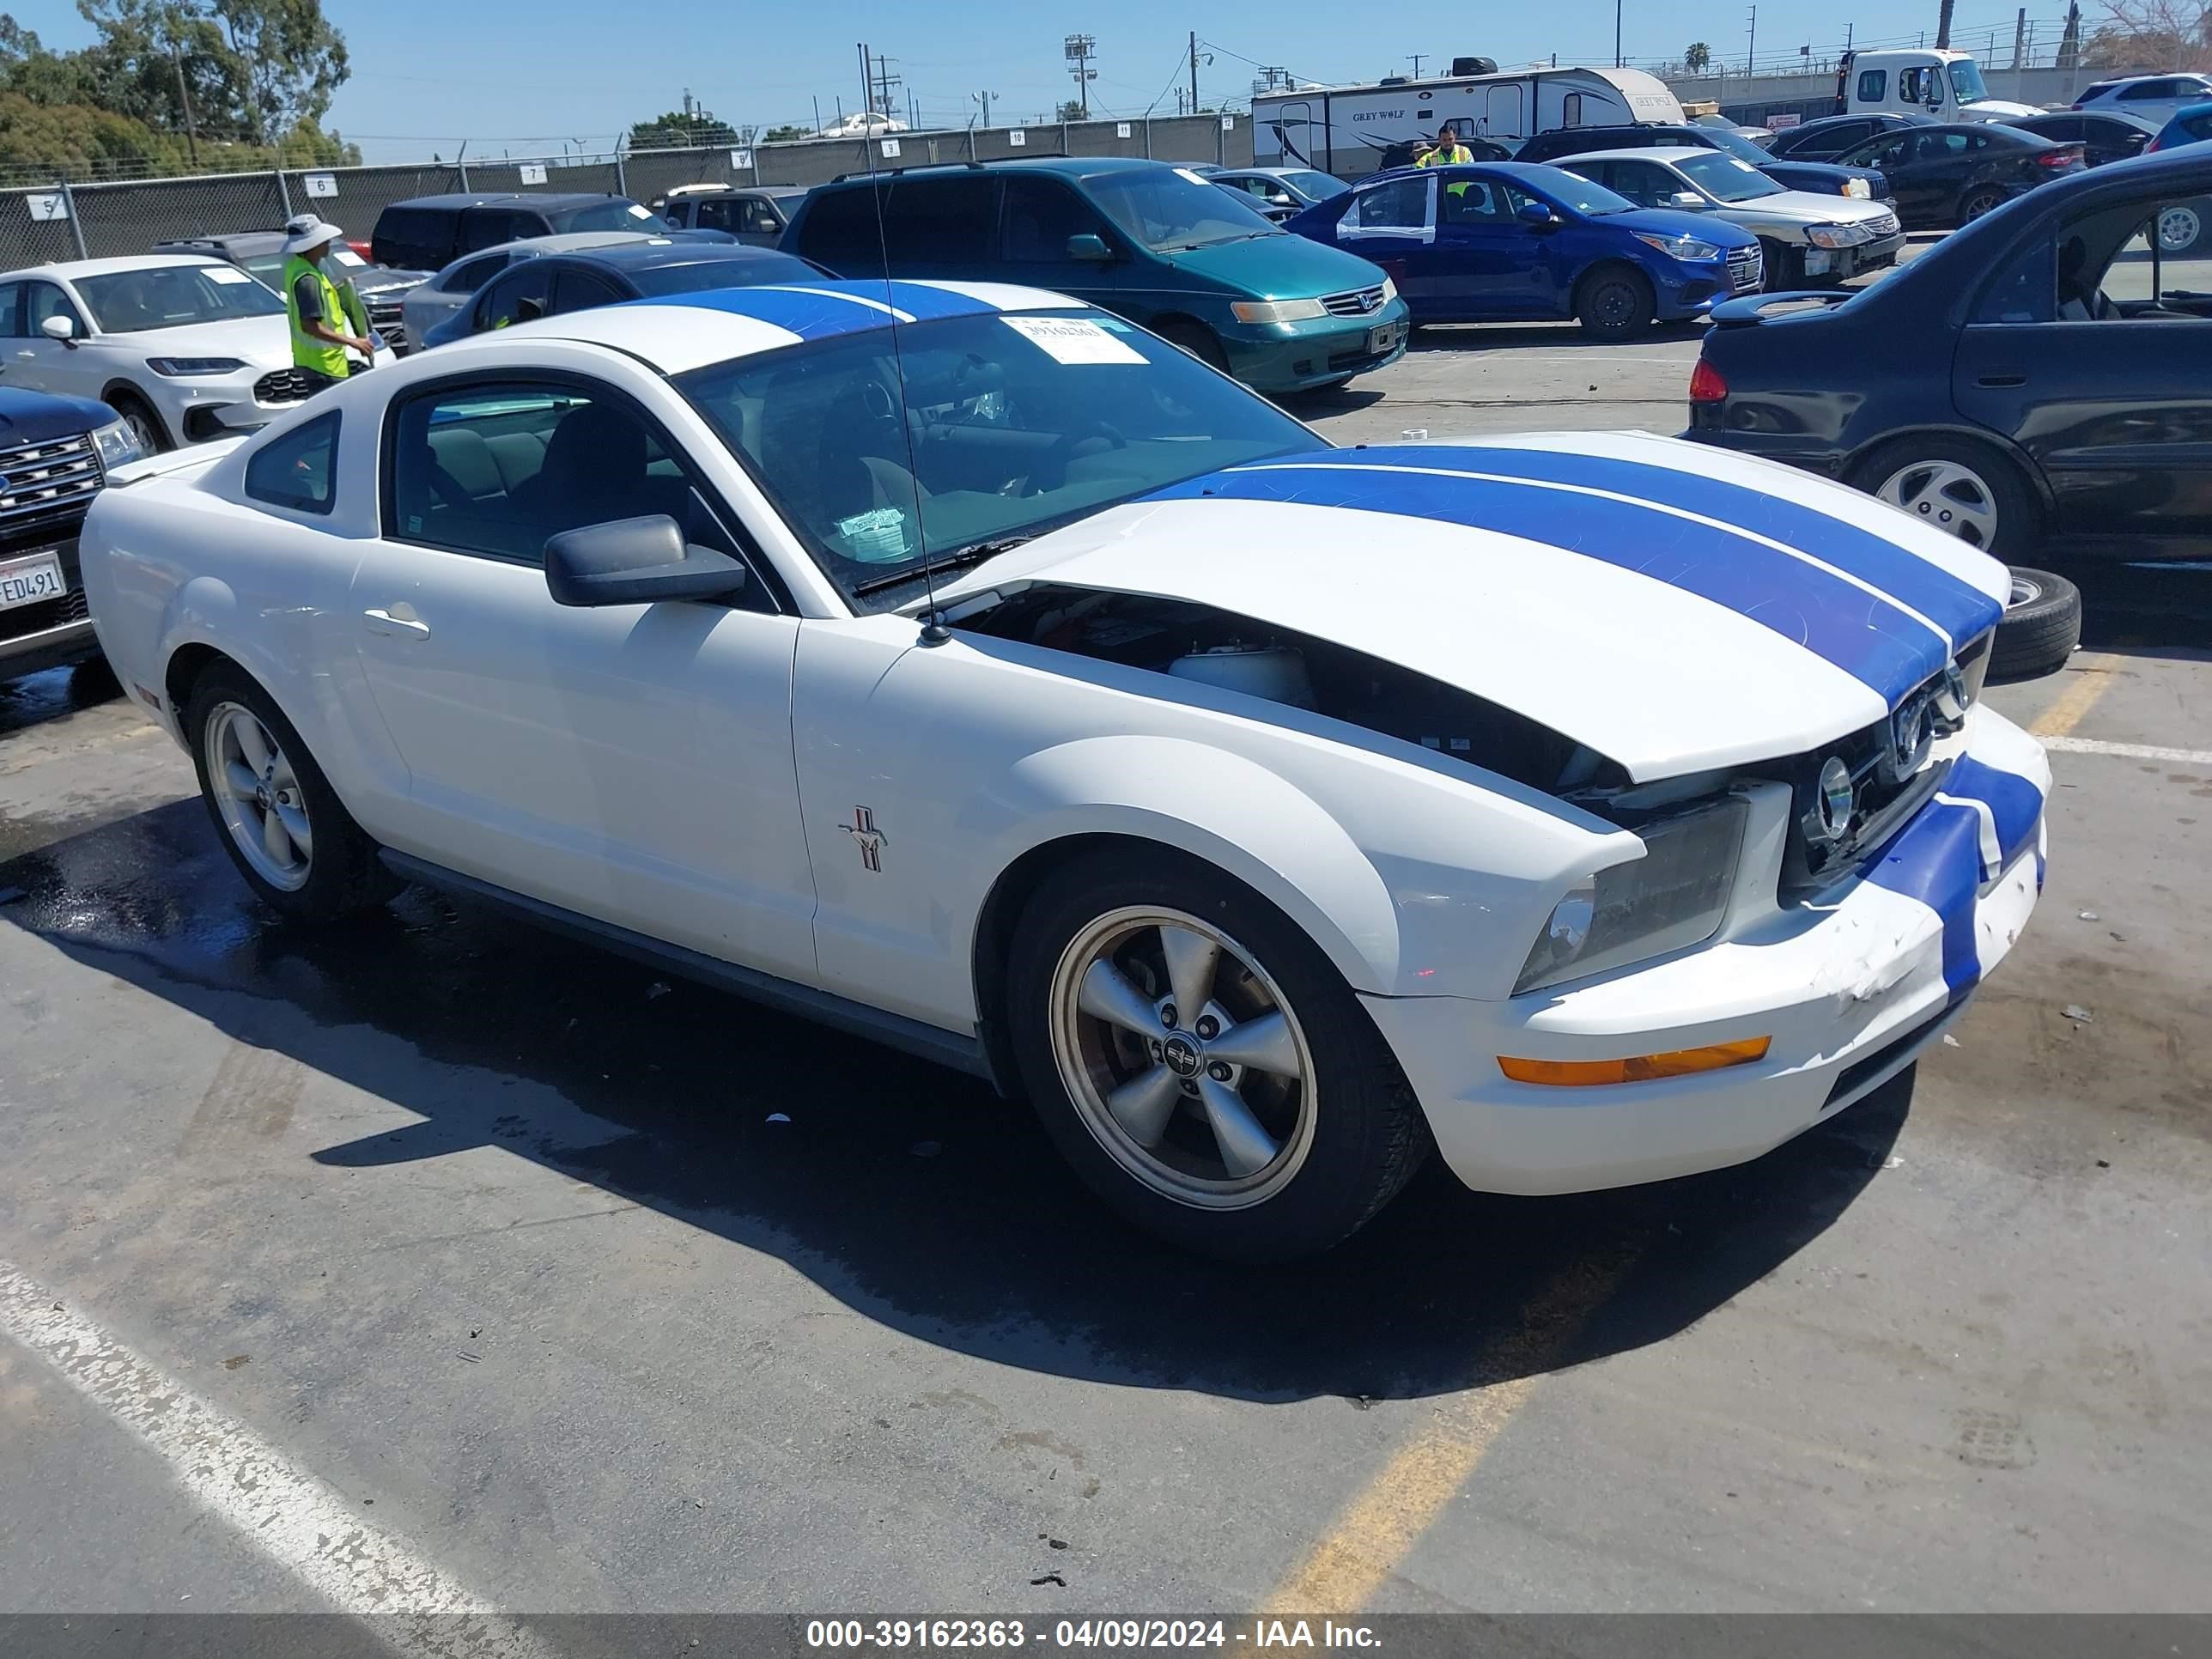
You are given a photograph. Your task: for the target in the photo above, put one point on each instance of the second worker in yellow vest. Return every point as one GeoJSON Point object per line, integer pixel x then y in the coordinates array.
{"type": "Point", "coordinates": [320, 310]}
{"type": "Point", "coordinates": [1448, 151]}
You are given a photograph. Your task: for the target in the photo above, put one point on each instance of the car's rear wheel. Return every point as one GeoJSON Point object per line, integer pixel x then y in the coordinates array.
{"type": "Point", "coordinates": [2041, 627]}
{"type": "Point", "coordinates": [2180, 227]}
{"type": "Point", "coordinates": [280, 821]}
{"type": "Point", "coordinates": [1976, 202]}
{"type": "Point", "coordinates": [1201, 1063]}
{"type": "Point", "coordinates": [1614, 302]}
{"type": "Point", "coordinates": [1959, 487]}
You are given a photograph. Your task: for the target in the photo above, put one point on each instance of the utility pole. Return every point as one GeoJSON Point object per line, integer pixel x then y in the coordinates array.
{"type": "Point", "coordinates": [2018, 37]}
{"type": "Point", "coordinates": [983, 98]}
{"type": "Point", "coordinates": [185, 96]}
{"type": "Point", "coordinates": [1415, 58]}
{"type": "Point", "coordinates": [867, 88]}
{"type": "Point", "coordinates": [1193, 72]}
{"type": "Point", "coordinates": [1751, 52]}
{"type": "Point", "coordinates": [1616, 34]}
{"type": "Point", "coordinates": [1080, 48]}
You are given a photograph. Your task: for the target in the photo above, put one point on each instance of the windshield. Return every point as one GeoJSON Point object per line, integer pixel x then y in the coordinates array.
{"type": "Point", "coordinates": [1013, 425]}
{"type": "Point", "coordinates": [1315, 186]}
{"type": "Point", "coordinates": [174, 296]}
{"type": "Point", "coordinates": [1168, 210]}
{"type": "Point", "coordinates": [724, 273]}
{"type": "Point", "coordinates": [1726, 180]}
{"type": "Point", "coordinates": [1966, 81]}
{"type": "Point", "coordinates": [1572, 190]}
{"type": "Point", "coordinates": [1734, 143]}
{"type": "Point", "coordinates": [614, 214]}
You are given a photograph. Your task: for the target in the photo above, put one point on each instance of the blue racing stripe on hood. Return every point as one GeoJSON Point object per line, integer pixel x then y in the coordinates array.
{"type": "Point", "coordinates": [1938, 859]}
{"type": "Point", "coordinates": [1961, 609]}
{"type": "Point", "coordinates": [1868, 637]}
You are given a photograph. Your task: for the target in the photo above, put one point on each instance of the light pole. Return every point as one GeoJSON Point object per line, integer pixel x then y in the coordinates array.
{"type": "Point", "coordinates": [1616, 34]}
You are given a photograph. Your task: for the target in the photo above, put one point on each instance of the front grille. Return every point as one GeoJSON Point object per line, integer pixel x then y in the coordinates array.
{"type": "Point", "coordinates": [282, 386]}
{"type": "Point", "coordinates": [383, 318]}
{"type": "Point", "coordinates": [1357, 302]}
{"type": "Point", "coordinates": [49, 482]}
{"type": "Point", "coordinates": [27, 619]}
{"type": "Point", "coordinates": [1747, 269]}
{"type": "Point", "coordinates": [1885, 226]}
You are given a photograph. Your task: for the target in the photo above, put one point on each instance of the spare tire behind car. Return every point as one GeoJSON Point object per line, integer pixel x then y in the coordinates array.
{"type": "Point", "coordinates": [2040, 626]}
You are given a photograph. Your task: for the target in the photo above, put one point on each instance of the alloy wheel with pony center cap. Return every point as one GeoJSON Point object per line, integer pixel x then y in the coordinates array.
{"type": "Point", "coordinates": [1184, 1058]}
{"type": "Point", "coordinates": [257, 794]}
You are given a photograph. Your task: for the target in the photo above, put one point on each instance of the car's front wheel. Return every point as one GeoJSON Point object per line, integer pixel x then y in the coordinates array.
{"type": "Point", "coordinates": [1614, 302]}
{"type": "Point", "coordinates": [280, 821]}
{"type": "Point", "coordinates": [2181, 226]}
{"type": "Point", "coordinates": [1976, 202]}
{"type": "Point", "coordinates": [1201, 1063]}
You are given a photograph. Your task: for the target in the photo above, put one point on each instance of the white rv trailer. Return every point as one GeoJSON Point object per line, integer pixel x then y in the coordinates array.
{"type": "Point", "coordinates": [1348, 130]}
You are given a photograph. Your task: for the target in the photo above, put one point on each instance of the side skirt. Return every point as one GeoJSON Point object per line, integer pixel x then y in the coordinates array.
{"type": "Point", "coordinates": [913, 1036]}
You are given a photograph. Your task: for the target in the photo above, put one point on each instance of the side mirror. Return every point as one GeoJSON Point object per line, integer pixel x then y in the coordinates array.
{"type": "Point", "coordinates": [1536, 216]}
{"type": "Point", "coordinates": [636, 562]}
{"type": "Point", "coordinates": [1690, 201]}
{"type": "Point", "coordinates": [529, 308]}
{"type": "Point", "coordinates": [1089, 249]}
{"type": "Point", "coordinates": [59, 328]}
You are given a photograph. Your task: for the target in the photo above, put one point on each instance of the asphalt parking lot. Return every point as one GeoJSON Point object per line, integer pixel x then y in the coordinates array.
{"type": "Point", "coordinates": [539, 1283]}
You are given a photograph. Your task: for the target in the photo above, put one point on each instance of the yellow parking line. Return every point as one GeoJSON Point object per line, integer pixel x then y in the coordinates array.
{"type": "Point", "coordinates": [2091, 675]}
{"type": "Point", "coordinates": [1381, 1525]}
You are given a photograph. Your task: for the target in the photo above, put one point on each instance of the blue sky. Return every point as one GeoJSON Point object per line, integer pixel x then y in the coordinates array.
{"type": "Point", "coordinates": [507, 76]}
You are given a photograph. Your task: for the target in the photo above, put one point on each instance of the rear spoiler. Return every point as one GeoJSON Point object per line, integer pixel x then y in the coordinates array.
{"type": "Point", "coordinates": [173, 460]}
{"type": "Point", "coordinates": [1752, 307]}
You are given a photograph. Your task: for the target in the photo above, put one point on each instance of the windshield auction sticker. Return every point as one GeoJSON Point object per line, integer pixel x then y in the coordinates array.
{"type": "Point", "coordinates": [1072, 339]}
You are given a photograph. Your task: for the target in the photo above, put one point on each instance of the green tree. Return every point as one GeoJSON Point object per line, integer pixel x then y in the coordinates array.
{"type": "Point", "coordinates": [287, 57]}
{"type": "Point", "coordinates": [1697, 58]}
{"type": "Point", "coordinates": [786, 135]}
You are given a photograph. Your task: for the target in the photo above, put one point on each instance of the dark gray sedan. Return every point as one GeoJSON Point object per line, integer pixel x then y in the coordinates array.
{"type": "Point", "coordinates": [1278, 192]}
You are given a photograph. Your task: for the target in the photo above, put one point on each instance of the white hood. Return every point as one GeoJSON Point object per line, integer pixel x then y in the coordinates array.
{"type": "Point", "coordinates": [264, 342]}
{"type": "Point", "coordinates": [1675, 607]}
{"type": "Point", "coordinates": [1996, 109]}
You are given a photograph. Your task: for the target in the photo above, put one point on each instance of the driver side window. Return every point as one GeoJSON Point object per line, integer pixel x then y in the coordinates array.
{"type": "Point", "coordinates": [1398, 208]}
{"type": "Point", "coordinates": [519, 296]}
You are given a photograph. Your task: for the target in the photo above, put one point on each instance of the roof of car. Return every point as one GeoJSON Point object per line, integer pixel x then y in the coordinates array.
{"type": "Point", "coordinates": [679, 331]}
{"type": "Point", "coordinates": [505, 199]}
{"type": "Point", "coordinates": [73, 269]}
{"type": "Point", "coordinates": [236, 241]}
{"type": "Point", "coordinates": [1648, 152]}
{"type": "Point", "coordinates": [1079, 166]}
{"type": "Point", "coordinates": [657, 251]}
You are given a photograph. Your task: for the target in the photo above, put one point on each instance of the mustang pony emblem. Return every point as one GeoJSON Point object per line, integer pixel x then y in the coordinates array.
{"type": "Point", "coordinates": [870, 840]}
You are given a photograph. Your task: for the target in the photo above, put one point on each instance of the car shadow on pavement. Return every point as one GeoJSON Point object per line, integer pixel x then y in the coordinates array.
{"type": "Point", "coordinates": [913, 1195]}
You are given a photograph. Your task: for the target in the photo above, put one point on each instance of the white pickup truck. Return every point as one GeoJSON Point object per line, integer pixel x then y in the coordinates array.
{"type": "Point", "coordinates": [1927, 80]}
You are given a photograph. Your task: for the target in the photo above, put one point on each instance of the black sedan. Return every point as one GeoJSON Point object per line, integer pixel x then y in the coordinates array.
{"type": "Point", "coordinates": [1831, 136]}
{"type": "Point", "coordinates": [1953, 173]}
{"type": "Point", "coordinates": [1818, 177]}
{"type": "Point", "coordinates": [2114, 138]}
{"type": "Point", "coordinates": [555, 282]}
{"type": "Point", "coordinates": [2035, 382]}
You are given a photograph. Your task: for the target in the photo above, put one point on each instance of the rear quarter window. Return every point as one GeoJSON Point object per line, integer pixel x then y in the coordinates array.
{"type": "Point", "coordinates": [839, 230]}
{"type": "Point", "coordinates": [413, 237]}
{"type": "Point", "coordinates": [298, 470]}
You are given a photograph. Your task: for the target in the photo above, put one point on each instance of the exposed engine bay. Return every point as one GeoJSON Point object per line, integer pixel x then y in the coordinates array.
{"type": "Point", "coordinates": [1198, 643]}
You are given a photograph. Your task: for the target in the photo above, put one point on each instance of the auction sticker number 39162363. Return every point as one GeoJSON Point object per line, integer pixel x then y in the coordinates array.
{"type": "Point", "coordinates": [26, 581]}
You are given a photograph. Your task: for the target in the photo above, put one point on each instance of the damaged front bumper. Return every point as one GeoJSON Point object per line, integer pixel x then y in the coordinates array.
{"type": "Point", "coordinates": [1848, 986]}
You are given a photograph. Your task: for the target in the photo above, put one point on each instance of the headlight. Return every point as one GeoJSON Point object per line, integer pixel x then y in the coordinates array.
{"type": "Point", "coordinates": [1836, 235]}
{"type": "Point", "coordinates": [1674, 896]}
{"type": "Point", "coordinates": [1278, 311]}
{"type": "Point", "coordinates": [117, 443]}
{"type": "Point", "coordinates": [174, 366]}
{"type": "Point", "coordinates": [1679, 247]}
{"type": "Point", "coordinates": [1389, 290]}
{"type": "Point", "coordinates": [1858, 188]}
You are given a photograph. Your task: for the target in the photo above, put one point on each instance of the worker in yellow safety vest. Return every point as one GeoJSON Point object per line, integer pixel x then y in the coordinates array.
{"type": "Point", "coordinates": [1448, 151]}
{"type": "Point", "coordinates": [319, 308]}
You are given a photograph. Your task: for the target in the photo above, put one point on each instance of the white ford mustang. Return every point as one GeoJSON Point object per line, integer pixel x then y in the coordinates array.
{"type": "Point", "coordinates": [1597, 807]}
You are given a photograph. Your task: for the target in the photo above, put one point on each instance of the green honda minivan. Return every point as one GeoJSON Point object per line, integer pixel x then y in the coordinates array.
{"type": "Point", "coordinates": [1148, 241]}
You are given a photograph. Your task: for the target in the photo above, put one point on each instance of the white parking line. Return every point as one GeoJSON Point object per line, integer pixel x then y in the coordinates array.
{"type": "Point", "coordinates": [2149, 751]}
{"type": "Point", "coordinates": [290, 1515]}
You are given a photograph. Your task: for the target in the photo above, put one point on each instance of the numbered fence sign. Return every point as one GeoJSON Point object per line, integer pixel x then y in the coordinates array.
{"type": "Point", "coordinates": [1018, 138]}
{"type": "Point", "coordinates": [1229, 123]}
{"type": "Point", "coordinates": [890, 148]}
{"type": "Point", "coordinates": [533, 173]}
{"type": "Point", "coordinates": [741, 159]}
{"type": "Point", "coordinates": [1120, 129]}
{"type": "Point", "coordinates": [47, 204]}
{"type": "Point", "coordinates": [322, 184]}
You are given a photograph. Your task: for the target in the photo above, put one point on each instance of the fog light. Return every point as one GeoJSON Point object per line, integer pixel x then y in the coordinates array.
{"type": "Point", "coordinates": [1638, 1068]}
{"type": "Point", "coordinates": [1835, 799]}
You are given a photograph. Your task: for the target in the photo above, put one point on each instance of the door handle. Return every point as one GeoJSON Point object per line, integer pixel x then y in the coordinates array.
{"type": "Point", "coordinates": [1997, 381]}
{"type": "Point", "coordinates": [383, 622]}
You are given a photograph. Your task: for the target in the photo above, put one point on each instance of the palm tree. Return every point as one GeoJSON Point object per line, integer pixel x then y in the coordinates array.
{"type": "Point", "coordinates": [1697, 58]}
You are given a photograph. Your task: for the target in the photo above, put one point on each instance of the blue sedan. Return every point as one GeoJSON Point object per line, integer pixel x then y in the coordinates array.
{"type": "Point", "coordinates": [1505, 242]}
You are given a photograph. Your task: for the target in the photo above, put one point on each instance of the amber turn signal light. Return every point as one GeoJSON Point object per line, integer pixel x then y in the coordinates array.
{"type": "Point", "coordinates": [1638, 1068]}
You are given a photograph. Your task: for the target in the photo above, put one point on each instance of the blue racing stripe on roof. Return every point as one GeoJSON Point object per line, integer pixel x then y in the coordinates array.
{"type": "Point", "coordinates": [824, 310]}
{"type": "Point", "coordinates": [1868, 638]}
{"type": "Point", "coordinates": [1961, 609]}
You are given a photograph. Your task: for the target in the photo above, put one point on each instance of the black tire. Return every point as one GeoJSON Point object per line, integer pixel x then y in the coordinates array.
{"type": "Point", "coordinates": [143, 422]}
{"type": "Point", "coordinates": [1975, 203]}
{"type": "Point", "coordinates": [2041, 628]}
{"type": "Point", "coordinates": [1196, 339]}
{"type": "Point", "coordinates": [1785, 267]}
{"type": "Point", "coordinates": [2019, 514]}
{"type": "Point", "coordinates": [1368, 1135]}
{"type": "Point", "coordinates": [1614, 303]}
{"type": "Point", "coordinates": [344, 874]}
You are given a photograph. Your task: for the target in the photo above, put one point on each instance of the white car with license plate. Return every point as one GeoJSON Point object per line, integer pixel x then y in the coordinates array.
{"type": "Point", "coordinates": [184, 349]}
{"type": "Point", "coordinates": [965, 667]}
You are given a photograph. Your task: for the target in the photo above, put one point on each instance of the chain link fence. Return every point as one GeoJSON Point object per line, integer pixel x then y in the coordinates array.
{"type": "Point", "coordinates": [66, 220]}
